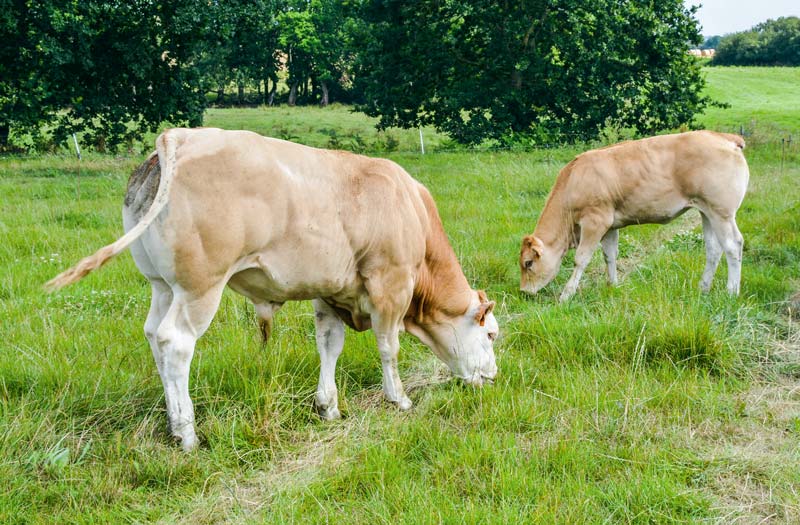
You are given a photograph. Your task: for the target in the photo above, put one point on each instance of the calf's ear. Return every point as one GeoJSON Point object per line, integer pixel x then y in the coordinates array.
{"type": "Point", "coordinates": [533, 245]}
{"type": "Point", "coordinates": [484, 309]}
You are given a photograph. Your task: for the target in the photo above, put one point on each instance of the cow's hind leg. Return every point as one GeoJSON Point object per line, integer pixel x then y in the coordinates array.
{"type": "Point", "coordinates": [186, 320]}
{"type": "Point", "coordinates": [159, 304]}
{"type": "Point", "coordinates": [713, 254]}
{"type": "Point", "coordinates": [330, 341]}
{"type": "Point", "coordinates": [610, 245]}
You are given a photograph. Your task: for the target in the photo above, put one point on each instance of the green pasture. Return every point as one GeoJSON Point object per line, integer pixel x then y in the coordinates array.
{"type": "Point", "coordinates": [764, 100]}
{"type": "Point", "coordinates": [645, 403]}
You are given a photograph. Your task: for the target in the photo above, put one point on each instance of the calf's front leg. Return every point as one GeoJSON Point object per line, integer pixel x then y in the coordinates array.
{"type": "Point", "coordinates": [592, 230]}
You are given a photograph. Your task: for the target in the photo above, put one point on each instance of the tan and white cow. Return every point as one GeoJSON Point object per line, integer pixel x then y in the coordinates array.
{"type": "Point", "coordinates": [278, 221]}
{"type": "Point", "coordinates": [651, 180]}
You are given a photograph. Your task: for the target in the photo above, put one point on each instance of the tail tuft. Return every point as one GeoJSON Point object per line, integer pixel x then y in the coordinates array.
{"type": "Point", "coordinates": [80, 270]}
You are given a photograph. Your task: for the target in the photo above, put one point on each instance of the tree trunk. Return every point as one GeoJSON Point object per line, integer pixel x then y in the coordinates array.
{"type": "Point", "coordinates": [241, 94]}
{"type": "Point", "coordinates": [5, 130]}
{"type": "Point", "coordinates": [220, 95]}
{"type": "Point", "coordinates": [293, 94]}
{"type": "Point", "coordinates": [272, 92]}
{"type": "Point", "coordinates": [325, 96]}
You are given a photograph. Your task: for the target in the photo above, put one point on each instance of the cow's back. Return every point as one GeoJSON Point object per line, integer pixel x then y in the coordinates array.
{"type": "Point", "coordinates": [307, 215]}
{"type": "Point", "coordinates": [651, 180]}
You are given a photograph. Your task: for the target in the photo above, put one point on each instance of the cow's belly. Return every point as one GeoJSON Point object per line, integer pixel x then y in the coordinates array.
{"type": "Point", "coordinates": [292, 275]}
{"type": "Point", "coordinates": [650, 210]}
{"type": "Point", "coordinates": [261, 285]}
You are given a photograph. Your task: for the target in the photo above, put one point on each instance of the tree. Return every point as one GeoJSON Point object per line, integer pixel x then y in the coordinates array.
{"type": "Point", "coordinates": [110, 69]}
{"type": "Point", "coordinates": [711, 42]}
{"type": "Point", "coordinates": [241, 47]}
{"type": "Point", "coordinates": [771, 43]}
{"type": "Point", "coordinates": [316, 39]}
{"type": "Point", "coordinates": [558, 69]}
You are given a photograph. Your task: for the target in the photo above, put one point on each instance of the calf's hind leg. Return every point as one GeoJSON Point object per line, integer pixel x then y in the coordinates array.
{"type": "Point", "coordinates": [186, 320]}
{"type": "Point", "coordinates": [732, 243]}
{"type": "Point", "coordinates": [610, 245]}
{"type": "Point", "coordinates": [713, 254]}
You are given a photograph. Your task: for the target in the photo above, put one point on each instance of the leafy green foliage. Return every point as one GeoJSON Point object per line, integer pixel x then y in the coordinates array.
{"type": "Point", "coordinates": [772, 43]}
{"type": "Point", "coordinates": [241, 45]}
{"type": "Point", "coordinates": [112, 70]}
{"type": "Point", "coordinates": [559, 68]}
{"type": "Point", "coordinates": [711, 42]}
{"type": "Point", "coordinates": [315, 37]}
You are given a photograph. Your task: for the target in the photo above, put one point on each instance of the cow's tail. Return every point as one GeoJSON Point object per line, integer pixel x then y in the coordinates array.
{"type": "Point", "coordinates": [166, 145]}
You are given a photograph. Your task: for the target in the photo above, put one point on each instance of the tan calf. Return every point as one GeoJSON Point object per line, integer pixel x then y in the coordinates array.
{"type": "Point", "coordinates": [276, 222]}
{"type": "Point", "coordinates": [651, 180]}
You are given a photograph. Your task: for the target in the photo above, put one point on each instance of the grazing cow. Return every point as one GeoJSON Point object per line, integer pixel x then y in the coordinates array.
{"type": "Point", "coordinates": [651, 180]}
{"type": "Point", "coordinates": [278, 221]}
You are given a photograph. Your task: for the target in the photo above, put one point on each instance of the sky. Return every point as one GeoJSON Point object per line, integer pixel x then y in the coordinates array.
{"type": "Point", "coordinates": [718, 17]}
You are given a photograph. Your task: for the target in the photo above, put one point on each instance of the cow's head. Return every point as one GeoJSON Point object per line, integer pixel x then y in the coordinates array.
{"type": "Point", "coordinates": [466, 342]}
{"type": "Point", "coordinates": [538, 264]}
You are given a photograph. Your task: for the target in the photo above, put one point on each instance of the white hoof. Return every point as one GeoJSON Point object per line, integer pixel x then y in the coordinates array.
{"type": "Point", "coordinates": [188, 440]}
{"type": "Point", "coordinates": [404, 403]}
{"type": "Point", "coordinates": [328, 413]}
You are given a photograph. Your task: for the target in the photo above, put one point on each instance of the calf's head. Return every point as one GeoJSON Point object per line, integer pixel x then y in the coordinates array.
{"type": "Point", "coordinates": [538, 264]}
{"type": "Point", "coordinates": [465, 342]}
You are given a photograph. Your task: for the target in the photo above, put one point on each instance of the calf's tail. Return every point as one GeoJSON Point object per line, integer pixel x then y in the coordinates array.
{"type": "Point", "coordinates": [166, 145]}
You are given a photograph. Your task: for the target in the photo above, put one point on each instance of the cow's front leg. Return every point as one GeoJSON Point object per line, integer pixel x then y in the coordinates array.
{"type": "Point", "coordinates": [330, 340]}
{"type": "Point", "coordinates": [387, 334]}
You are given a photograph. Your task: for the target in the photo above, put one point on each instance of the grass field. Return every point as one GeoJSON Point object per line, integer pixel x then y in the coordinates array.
{"type": "Point", "coordinates": [646, 403]}
{"type": "Point", "coordinates": [764, 99]}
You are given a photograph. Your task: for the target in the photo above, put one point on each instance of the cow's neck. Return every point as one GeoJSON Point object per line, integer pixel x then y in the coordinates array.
{"type": "Point", "coordinates": [441, 288]}
{"type": "Point", "coordinates": [556, 225]}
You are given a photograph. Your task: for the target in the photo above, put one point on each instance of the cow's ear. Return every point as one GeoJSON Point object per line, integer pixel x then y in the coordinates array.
{"type": "Point", "coordinates": [484, 309]}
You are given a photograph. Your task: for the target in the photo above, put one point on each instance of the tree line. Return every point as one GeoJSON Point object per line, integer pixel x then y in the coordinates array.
{"type": "Point", "coordinates": [525, 70]}
{"type": "Point", "coordinates": [771, 43]}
